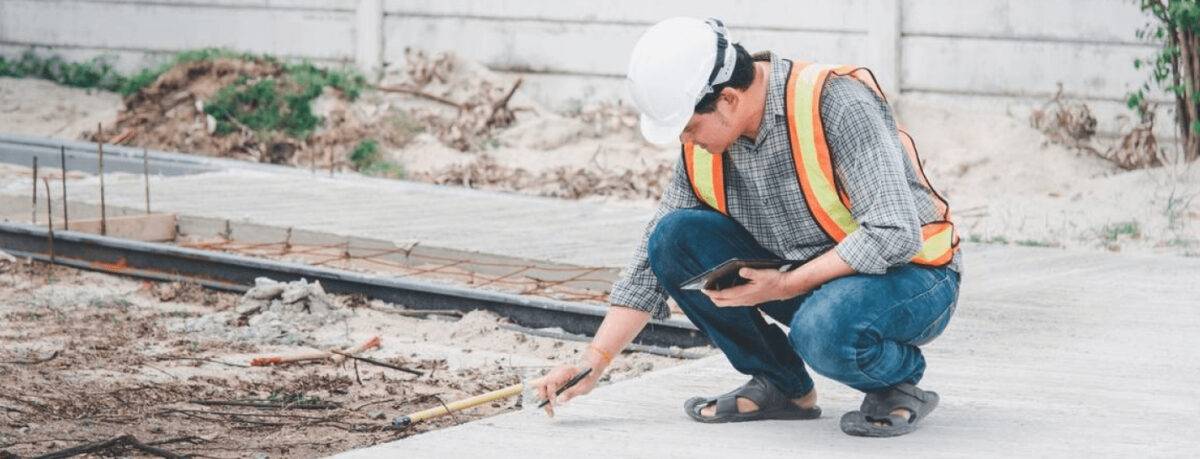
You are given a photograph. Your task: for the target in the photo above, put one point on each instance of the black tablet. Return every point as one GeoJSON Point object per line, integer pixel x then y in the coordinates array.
{"type": "Point", "coordinates": [725, 275]}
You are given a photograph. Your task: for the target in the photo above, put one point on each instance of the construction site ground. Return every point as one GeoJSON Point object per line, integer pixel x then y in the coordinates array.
{"type": "Point", "coordinates": [1073, 333]}
{"type": "Point", "coordinates": [180, 346]}
{"type": "Point", "coordinates": [1052, 351]}
{"type": "Point", "coordinates": [87, 357]}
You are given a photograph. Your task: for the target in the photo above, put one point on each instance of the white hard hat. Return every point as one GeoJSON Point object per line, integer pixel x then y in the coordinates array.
{"type": "Point", "coordinates": [674, 65]}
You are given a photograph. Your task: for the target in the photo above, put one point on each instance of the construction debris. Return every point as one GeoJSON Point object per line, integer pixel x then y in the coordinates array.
{"type": "Point", "coordinates": [439, 119]}
{"type": "Point", "coordinates": [472, 101]}
{"type": "Point", "coordinates": [562, 182]}
{"type": "Point", "coordinates": [332, 355]}
{"type": "Point", "coordinates": [1071, 123]}
{"type": "Point", "coordinates": [277, 313]}
{"type": "Point", "coordinates": [172, 114]}
{"type": "Point", "coordinates": [69, 383]}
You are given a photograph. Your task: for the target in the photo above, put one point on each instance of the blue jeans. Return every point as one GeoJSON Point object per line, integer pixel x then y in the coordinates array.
{"type": "Point", "coordinates": [861, 330]}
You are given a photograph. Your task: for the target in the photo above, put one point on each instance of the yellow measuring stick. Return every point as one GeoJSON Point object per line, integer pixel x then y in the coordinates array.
{"type": "Point", "coordinates": [405, 421]}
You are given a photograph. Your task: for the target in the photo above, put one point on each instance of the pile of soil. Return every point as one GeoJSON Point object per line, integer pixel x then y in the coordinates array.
{"type": "Point", "coordinates": [439, 119]}
{"type": "Point", "coordinates": [169, 114]}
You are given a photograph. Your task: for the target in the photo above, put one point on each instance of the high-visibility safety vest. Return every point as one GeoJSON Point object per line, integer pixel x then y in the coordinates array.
{"type": "Point", "coordinates": [826, 199]}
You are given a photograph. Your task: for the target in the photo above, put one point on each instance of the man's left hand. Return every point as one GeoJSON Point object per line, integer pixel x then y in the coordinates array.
{"type": "Point", "coordinates": [765, 285]}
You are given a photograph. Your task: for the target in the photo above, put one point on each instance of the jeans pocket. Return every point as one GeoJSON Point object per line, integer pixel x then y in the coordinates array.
{"type": "Point", "coordinates": [935, 328]}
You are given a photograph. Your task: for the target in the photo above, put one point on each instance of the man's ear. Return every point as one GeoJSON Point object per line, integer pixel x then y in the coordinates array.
{"type": "Point", "coordinates": [732, 97]}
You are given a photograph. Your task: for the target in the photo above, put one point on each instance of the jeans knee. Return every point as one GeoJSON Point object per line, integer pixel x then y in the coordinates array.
{"type": "Point", "coordinates": [826, 340]}
{"type": "Point", "coordinates": [673, 233]}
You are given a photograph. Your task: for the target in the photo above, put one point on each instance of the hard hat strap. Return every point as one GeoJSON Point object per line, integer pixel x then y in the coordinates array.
{"type": "Point", "coordinates": [726, 59]}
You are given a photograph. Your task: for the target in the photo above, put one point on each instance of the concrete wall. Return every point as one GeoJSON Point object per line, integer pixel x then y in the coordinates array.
{"type": "Point", "coordinates": [573, 50]}
{"type": "Point", "coordinates": [141, 32]}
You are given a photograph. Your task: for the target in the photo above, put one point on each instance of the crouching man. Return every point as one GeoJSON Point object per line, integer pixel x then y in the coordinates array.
{"type": "Point", "coordinates": [785, 159]}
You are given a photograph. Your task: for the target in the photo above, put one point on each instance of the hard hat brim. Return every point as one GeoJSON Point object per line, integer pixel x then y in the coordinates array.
{"type": "Point", "coordinates": [665, 131]}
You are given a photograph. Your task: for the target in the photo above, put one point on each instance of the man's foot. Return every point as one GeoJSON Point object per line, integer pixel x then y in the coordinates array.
{"type": "Point", "coordinates": [892, 412]}
{"type": "Point", "coordinates": [757, 399]}
{"type": "Point", "coordinates": [745, 405]}
{"type": "Point", "coordinates": [898, 413]}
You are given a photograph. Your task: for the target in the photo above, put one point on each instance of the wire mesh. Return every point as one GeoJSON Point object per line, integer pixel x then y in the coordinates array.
{"type": "Point", "coordinates": [551, 281]}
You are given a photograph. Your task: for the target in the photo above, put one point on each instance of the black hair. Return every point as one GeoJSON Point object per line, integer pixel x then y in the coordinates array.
{"type": "Point", "coordinates": [743, 75]}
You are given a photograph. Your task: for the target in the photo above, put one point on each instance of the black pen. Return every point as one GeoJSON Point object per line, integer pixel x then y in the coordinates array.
{"type": "Point", "coordinates": [568, 385]}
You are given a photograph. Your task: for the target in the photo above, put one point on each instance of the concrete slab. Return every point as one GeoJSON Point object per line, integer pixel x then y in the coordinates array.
{"type": "Point", "coordinates": [1051, 353]}
{"type": "Point", "coordinates": [583, 233]}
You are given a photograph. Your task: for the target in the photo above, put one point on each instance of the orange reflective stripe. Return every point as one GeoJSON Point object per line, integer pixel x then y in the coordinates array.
{"type": "Point", "coordinates": [938, 244]}
{"type": "Point", "coordinates": [689, 163]}
{"type": "Point", "coordinates": [707, 176]}
{"type": "Point", "coordinates": [718, 183]}
{"type": "Point", "coordinates": [939, 240]}
{"type": "Point", "coordinates": [810, 152]}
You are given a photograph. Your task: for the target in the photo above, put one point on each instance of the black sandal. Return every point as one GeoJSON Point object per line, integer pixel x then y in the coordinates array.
{"type": "Point", "coordinates": [772, 404]}
{"type": "Point", "coordinates": [877, 407]}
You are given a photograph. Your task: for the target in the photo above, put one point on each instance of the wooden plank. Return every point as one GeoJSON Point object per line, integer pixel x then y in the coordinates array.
{"type": "Point", "coordinates": [327, 35]}
{"type": "Point", "coordinates": [847, 16]}
{"type": "Point", "coordinates": [1113, 21]}
{"type": "Point", "coordinates": [584, 49]}
{"type": "Point", "coordinates": [1019, 68]}
{"type": "Point", "coordinates": [148, 228]}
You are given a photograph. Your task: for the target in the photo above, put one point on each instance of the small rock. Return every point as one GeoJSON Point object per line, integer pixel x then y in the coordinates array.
{"type": "Point", "coordinates": [265, 289]}
{"type": "Point", "coordinates": [249, 306]}
{"type": "Point", "coordinates": [377, 415]}
{"type": "Point", "coordinates": [295, 292]}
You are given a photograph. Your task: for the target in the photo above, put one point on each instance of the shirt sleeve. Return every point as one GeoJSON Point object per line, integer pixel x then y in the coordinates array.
{"type": "Point", "coordinates": [872, 166]}
{"type": "Point", "coordinates": [638, 288]}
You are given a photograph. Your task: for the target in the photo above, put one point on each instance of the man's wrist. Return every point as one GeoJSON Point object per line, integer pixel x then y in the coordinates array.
{"type": "Point", "coordinates": [795, 283]}
{"type": "Point", "coordinates": [596, 358]}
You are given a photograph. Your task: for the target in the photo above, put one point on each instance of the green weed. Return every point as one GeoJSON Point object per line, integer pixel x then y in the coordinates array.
{"type": "Point", "coordinates": [368, 160]}
{"type": "Point", "coordinates": [1114, 231]}
{"type": "Point", "coordinates": [95, 73]}
{"type": "Point", "coordinates": [1035, 243]}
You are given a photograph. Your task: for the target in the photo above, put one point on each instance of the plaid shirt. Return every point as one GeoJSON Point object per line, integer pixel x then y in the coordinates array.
{"type": "Point", "coordinates": [763, 193]}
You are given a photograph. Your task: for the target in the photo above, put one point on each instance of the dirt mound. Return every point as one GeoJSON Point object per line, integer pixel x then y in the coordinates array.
{"type": "Point", "coordinates": [169, 114]}
{"type": "Point", "coordinates": [439, 119]}
{"type": "Point", "coordinates": [269, 112]}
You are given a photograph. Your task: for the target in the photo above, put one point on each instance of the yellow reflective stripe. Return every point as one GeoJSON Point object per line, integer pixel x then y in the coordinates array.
{"type": "Point", "coordinates": [702, 167]}
{"type": "Point", "coordinates": [937, 245]}
{"type": "Point", "coordinates": [825, 192]}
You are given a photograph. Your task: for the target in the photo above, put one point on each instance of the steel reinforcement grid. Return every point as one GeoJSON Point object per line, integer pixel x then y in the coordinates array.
{"type": "Point", "coordinates": [163, 262]}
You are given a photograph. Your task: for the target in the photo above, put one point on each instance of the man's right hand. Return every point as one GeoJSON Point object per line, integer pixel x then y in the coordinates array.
{"type": "Point", "coordinates": [547, 385]}
{"type": "Point", "coordinates": [620, 325]}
